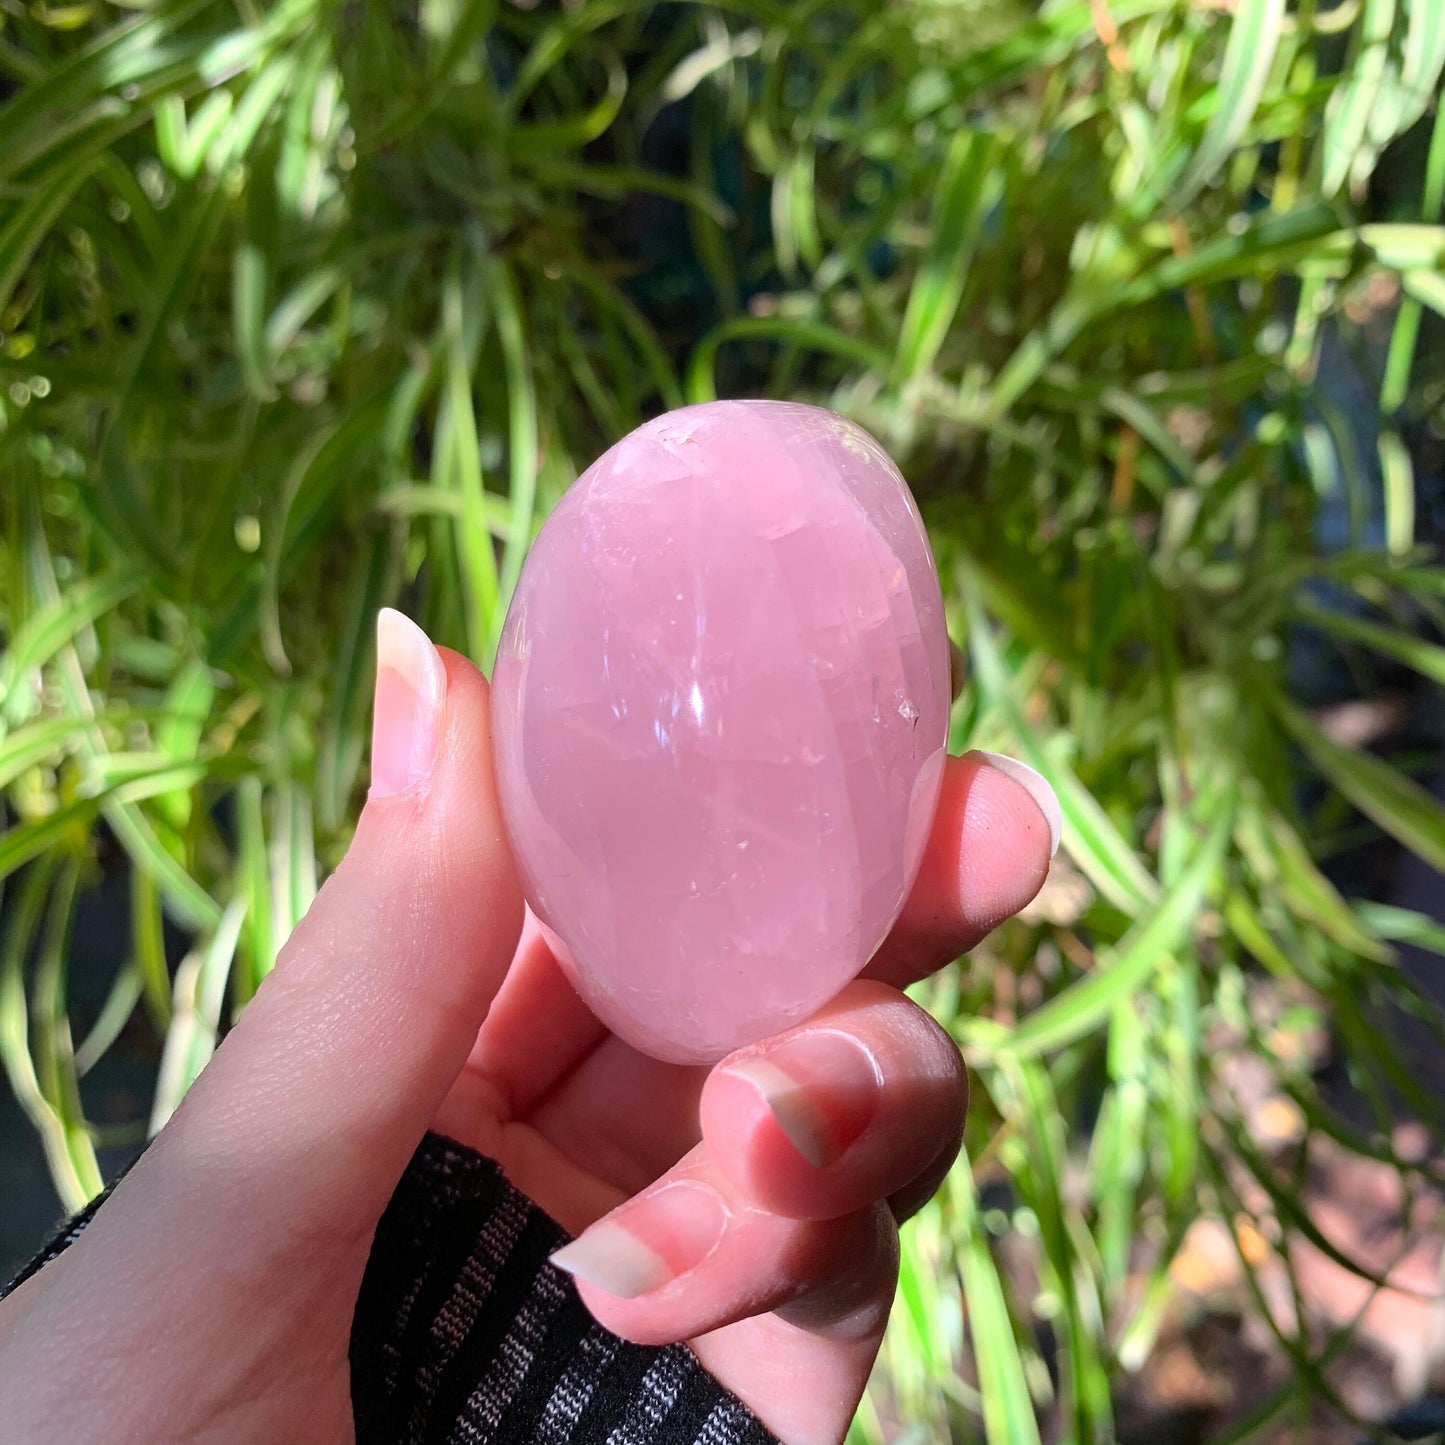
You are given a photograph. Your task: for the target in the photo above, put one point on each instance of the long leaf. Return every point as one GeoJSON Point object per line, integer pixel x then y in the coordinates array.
{"type": "Point", "coordinates": [54, 1050]}
{"type": "Point", "coordinates": [1085, 1006]}
{"type": "Point", "coordinates": [1426, 658]}
{"type": "Point", "coordinates": [1090, 837]}
{"type": "Point", "coordinates": [1008, 1411]}
{"type": "Point", "coordinates": [23, 915]}
{"type": "Point", "coordinates": [969, 187]}
{"type": "Point", "coordinates": [1254, 36]}
{"type": "Point", "coordinates": [199, 995]}
{"type": "Point", "coordinates": [1348, 117]}
{"type": "Point", "coordinates": [522, 448]}
{"type": "Point", "coordinates": [1383, 794]}
{"type": "Point", "coordinates": [810, 335]}
{"type": "Point", "coordinates": [458, 464]}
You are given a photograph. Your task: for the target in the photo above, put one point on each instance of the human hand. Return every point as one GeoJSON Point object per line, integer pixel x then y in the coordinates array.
{"type": "Point", "coordinates": [212, 1296]}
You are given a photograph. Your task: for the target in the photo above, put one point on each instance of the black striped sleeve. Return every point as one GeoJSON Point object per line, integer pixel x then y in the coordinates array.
{"type": "Point", "coordinates": [464, 1334]}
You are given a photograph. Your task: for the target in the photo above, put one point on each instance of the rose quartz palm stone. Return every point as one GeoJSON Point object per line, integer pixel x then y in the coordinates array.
{"type": "Point", "coordinates": [720, 708]}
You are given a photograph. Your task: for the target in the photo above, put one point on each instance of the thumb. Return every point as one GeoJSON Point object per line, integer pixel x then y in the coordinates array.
{"type": "Point", "coordinates": [317, 1098]}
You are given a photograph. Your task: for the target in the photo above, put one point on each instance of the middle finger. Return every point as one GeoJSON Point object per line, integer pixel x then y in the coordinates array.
{"type": "Point", "coordinates": [629, 1117]}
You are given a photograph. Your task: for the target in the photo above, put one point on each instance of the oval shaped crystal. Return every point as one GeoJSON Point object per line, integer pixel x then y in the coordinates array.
{"type": "Point", "coordinates": [720, 709]}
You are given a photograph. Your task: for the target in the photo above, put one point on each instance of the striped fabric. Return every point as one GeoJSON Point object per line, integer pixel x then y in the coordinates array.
{"type": "Point", "coordinates": [464, 1333]}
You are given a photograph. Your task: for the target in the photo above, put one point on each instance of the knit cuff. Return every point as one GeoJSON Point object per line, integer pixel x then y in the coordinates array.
{"type": "Point", "coordinates": [464, 1333]}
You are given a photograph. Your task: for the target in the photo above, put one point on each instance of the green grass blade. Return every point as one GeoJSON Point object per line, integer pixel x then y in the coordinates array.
{"type": "Point", "coordinates": [253, 883]}
{"type": "Point", "coordinates": [189, 903]}
{"type": "Point", "coordinates": [22, 749]}
{"type": "Point", "coordinates": [148, 946]}
{"type": "Point", "coordinates": [178, 735]}
{"type": "Point", "coordinates": [1008, 1411]}
{"type": "Point", "coordinates": [1254, 36]}
{"type": "Point", "coordinates": [1402, 925]}
{"type": "Point", "coordinates": [54, 1051]}
{"type": "Point", "coordinates": [1067, 1249]}
{"type": "Point", "coordinates": [345, 725]}
{"type": "Point", "coordinates": [581, 129]}
{"type": "Point", "coordinates": [30, 223]}
{"type": "Point", "coordinates": [969, 187]}
{"type": "Point", "coordinates": [1426, 287]}
{"type": "Point", "coordinates": [459, 466]}
{"type": "Point", "coordinates": [810, 335]}
{"type": "Point", "coordinates": [1265, 246]}
{"type": "Point", "coordinates": [1090, 836]}
{"type": "Point", "coordinates": [1117, 1154]}
{"type": "Point", "coordinates": [249, 285]}
{"type": "Point", "coordinates": [133, 53]}
{"type": "Point", "coordinates": [795, 225]}
{"type": "Point", "coordinates": [614, 304]}
{"type": "Point", "coordinates": [1348, 117]}
{"type": "Point", "coordinates": [297, 307]}
{"type": "Point", "coordinates": [1283, 867]}
{"type": "Point", "coordinates": [1398, 474]}
{"type": "Point", "coordinates": [42, 636]}
{"type": "Point", "coordinates": [1384, 795]}
{"type": "Point", "coordinates": [294, 872]}
{"type": "Point", "coordinates": [1411, 80]}
{"type": "Point", "coordinates": [1421, 65]}
{"type": "Point", "coordinates": [1426, 658]}
{"type": "Point", "coordinates": [119, 1005]}
{"type": "Point", "coordinates": [1400, 359]}
{"type": "Point", "coordinates": [1085, 1006]}
{"type": "Point", "coordinates": [23, 917]}
{"type": "Point", "coordinates": [26, 841]}
{"type": "Point", "coordinates": [522, 448]}
{"type": "Point", "coordinates": [199, 995]}
{"type": "Point", "coordinates": [185, 144]}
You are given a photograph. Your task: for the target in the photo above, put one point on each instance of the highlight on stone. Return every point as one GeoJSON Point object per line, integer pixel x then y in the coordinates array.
{"type": "Point", "coordinates": [720, 708]}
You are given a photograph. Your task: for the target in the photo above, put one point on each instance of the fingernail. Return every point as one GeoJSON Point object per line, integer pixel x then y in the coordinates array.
{"type": "Point", "coordinates": [822, 1090]}
{"type": "Point", "coordinates": [411, 686]}
{"type": "Point", "coordinates": [649, 1241]}
{"type": "Point", "coordinates": [1036, 786]}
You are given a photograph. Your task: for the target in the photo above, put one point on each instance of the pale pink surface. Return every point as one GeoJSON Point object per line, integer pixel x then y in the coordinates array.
{"type": "Point", "coordinates": [720, 707]}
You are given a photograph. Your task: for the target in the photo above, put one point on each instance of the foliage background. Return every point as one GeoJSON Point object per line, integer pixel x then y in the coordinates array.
{"type": "Point", "coordinates": [311, 307]}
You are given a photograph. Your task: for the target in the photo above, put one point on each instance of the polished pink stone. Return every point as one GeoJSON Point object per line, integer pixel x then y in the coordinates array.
{"type": "Point", "coordinates": [720, 707]}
